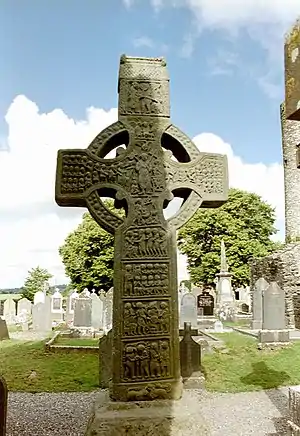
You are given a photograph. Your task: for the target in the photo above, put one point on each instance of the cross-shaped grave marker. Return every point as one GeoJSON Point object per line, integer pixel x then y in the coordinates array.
{"type": "Point", "coordinates": [142, 179]}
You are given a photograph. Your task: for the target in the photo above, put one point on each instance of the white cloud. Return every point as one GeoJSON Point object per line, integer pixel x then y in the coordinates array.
{"type": "Point", "coordinates": [143, 41]}
{"type": "Point", "coordinates": [32, 226]}
{"type": "Point", "coordinates": [265, 180]}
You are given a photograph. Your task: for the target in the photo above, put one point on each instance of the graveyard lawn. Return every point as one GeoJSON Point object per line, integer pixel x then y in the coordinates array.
{"type": "Point", "coordinates": [27, 368]}
{"type": "Point", "coordinates": [241, 367]}
{"type": "Point", "coordinates": [78, 342]}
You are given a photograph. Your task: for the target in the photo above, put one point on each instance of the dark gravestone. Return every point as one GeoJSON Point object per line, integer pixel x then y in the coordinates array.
{"type": "Point", "coordinates": [3, 330]}
{"type": "Point", "coordinates": [190, 357]}
{"type": "Point", "coordinates": [105, 360]}
{"type": "Point", "coordinates": [205, 304]}
{"type": "Point", "coordinates": [141, 179]}
{"type": "Point", "coordinates": [3, 406]}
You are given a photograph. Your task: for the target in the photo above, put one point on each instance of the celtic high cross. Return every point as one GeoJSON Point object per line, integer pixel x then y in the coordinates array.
{"type": "Point", "coordinates": [159, 161]}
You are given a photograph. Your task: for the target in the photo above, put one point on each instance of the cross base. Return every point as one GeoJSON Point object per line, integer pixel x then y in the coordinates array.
{"type": "Point", "coordinates": [161, 417]}
{"type": "Point", "coordinates": [153, 390]}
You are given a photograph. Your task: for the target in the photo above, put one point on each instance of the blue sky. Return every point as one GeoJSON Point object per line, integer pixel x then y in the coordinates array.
{"type": "Point", "coordinates": [58, 89]}
{"type": "Point", "coordinates": [65, 54]}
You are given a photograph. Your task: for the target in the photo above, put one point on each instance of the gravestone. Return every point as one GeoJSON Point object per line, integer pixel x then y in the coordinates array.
{"type": "Point", "coordinates": [218, 327]}
{"type": "Point", "coordinates": [70, 307]}
{"type": "Point", "coordinates": [188, 310]}
{"type": "Point", "coordinates": [57, 312]}
{"type": "Point", "coordinates": [3, 330]}
{"type": "Point", "coordinates": [83, 311]}
{"type": "Point", "coordinates": [97, 312]}
{"type": "Point", "coordinates": [257, 306]}
{"type": "Point", "coordinates": [3, 406]}
{"type": "Point", "coordinates": [24, 306]}
{"type": "Point", "coordinates": [108, 310]}
{"type": "Point", "coordinates": [41, 316]}
{"type": "Point", "coordinates": [141, 179]}
{"type": "Point", "coordinates": [205, 304]}
{"type": "Point", "coordinates": [10, 311]}
{"type": "Point", "coordinates": [190, 358]}
{"type": "Point", "coordinates": [274, 322]}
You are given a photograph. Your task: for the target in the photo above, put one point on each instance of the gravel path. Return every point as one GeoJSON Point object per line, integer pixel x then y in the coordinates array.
{"type": "Point", "coordinates": [244, 414]}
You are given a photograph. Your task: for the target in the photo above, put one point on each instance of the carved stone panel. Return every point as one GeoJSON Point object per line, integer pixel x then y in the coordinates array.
{"type": "Point", "coordinates": [146, 360]}
{"type": "Point", "coordinates": [139, 97]}
{"type": "Point", "coordinates": [147, 317]}
{"type": "Point", "coordinates": [144, 279]}
{"type": "Point", "coordinates": [150, 242]}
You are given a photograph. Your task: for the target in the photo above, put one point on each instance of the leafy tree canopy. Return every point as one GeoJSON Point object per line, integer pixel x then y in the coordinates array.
{"type": "Point", "coordinates": [35, 281]}
{"type": "Point", "coordinates": [88, 254]}
{"type": "Point", "coordinates": [245, 223]}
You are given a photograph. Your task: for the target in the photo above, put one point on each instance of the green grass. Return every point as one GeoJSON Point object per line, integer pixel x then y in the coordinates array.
{"type": "Point", "coordinates": [242, 368]}
{"type": "Point", "coordinates": [245, 368]}
{"type": "Point", "coordinates": [77, 342]}
{"type": "Point", "coordinates": [54, 372]}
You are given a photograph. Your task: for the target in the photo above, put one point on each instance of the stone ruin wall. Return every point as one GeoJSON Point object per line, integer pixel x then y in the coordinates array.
{"type": "Point", "coordinates": [283, 267]}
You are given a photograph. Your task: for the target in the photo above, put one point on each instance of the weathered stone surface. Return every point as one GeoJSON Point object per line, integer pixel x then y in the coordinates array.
{"type": "Point", "coordinates": [190, 358]}
{"type": "Point", "coordinates": [188, 310]}
{"type": "Point", "coordinates": [141, 179]}
{"type": "Point", "coordinates": [3, 406]}
{"type": "Point", "coordinates": [286, 260]}
{"type": "Point", "coordinates": [257, 302]}
{"type": "Point", "coordinates": [3, 330]}
{"type": "Point", "coordinates": [294, 410]}
{"type": "Point", "coordinates": [105, 360]}
{"type": "Point", "coordinates": [270, 336]}
{"type": "Point", "coordinates": [282, 267]}
{"type": "Point", "coordinates": [292, 72]}
{"type": "Point", "coordinates": [273, 308]}
{"type": "Point", "coordinates": [141, 418]}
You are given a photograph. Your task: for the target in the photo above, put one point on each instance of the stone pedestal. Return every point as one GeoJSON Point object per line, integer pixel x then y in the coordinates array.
{"type": "Point", "coordinates": [294, 411]}
{"type": "Point", "coordinates": [256, 324]}
{"type": "Point", "coordinates": [273, 337]}
{"type": "Point", "coordinates": [161, 417]}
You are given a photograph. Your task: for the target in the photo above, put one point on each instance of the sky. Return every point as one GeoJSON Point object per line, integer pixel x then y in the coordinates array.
{"type": "Point", "coordinates": [58, 89]}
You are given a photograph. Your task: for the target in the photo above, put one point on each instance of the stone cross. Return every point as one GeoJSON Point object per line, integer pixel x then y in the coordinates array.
{"type": "Point", "coordinates": [3, 406]}
{"type": "Point", "coordinates": [158, 161]}
{"type": "Point", "coordinates": [190, 351]}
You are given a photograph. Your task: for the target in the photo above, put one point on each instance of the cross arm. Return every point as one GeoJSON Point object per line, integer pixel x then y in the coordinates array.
{"type": "Point", "coordinates": [79, 176]}
{"type": "Point", "coordinates": [72, 177]}
{"type": "Point", "coordinates": [207, 175]}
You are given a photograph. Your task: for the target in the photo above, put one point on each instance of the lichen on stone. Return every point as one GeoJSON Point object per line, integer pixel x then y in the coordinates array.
{"type": "Point", "coordinates": [292, 38]}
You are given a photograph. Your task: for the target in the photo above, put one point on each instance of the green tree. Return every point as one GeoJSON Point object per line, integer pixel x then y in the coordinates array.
{"type": "Point", "coordinates": [35, 281]}
{"type": "Point", "coordinates": [245, 223]}
{"type": "Point", "coordinates": [88, 254]}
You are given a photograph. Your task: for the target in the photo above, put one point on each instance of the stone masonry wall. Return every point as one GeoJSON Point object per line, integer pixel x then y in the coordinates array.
{"type": "Point", "coordinates": [290, 140]}
{"type": "Point", "coordinates": [284, 268]}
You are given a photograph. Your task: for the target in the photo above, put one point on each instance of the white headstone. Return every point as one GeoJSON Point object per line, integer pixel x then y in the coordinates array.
{"type": "Point", "coordinates": [9, 311]}
{"type": "Point", "coordinates": [41, 316]}
{"type": "Point", "coordinates": [188, 310]}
